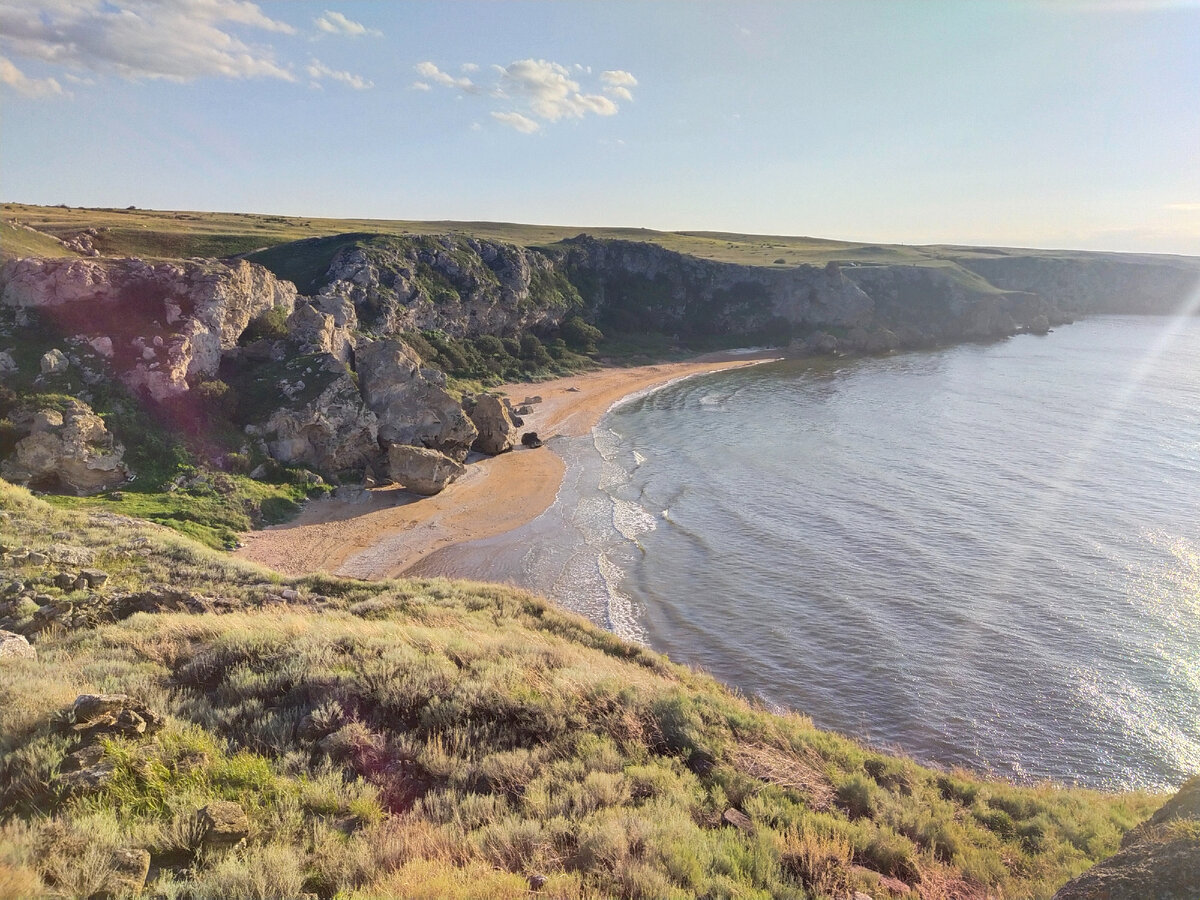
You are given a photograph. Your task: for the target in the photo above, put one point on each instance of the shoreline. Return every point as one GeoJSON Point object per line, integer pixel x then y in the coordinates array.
{"type": "Point", "coordinates": [389, 531]}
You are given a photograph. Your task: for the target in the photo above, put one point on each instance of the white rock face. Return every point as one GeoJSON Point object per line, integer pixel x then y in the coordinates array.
{"type": "Point", "coordinates": [327, 428]}
{"type": "Point", "coordinates": [7, 363]}
{"type": "Point", "coordinates": [185, 313]}
{"type": "Point", "coordinates": [317, 331]}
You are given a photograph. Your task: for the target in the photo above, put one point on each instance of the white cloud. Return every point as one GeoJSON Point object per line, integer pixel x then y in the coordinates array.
{"type": "Point", "coordinates": [537, 90]}
{"type": "Point", "coordinates": [550, 91]}
{"type": "Point", "coordinates": [521, 123]}
{"type": "Point", "coordinates": [420, 86]}
{"type": "Point", "coordinates": [178, 41]}
{"type": "Point", "coordinates": [336, 23]}
{"type": "Point", "coordinates": [317, 70]}
{"type": "Point", "coordinates": [618, 78]}
{"type": "Point", "coordinates": [1184, 207]}
{"type": "Point", "coordinates": [431, 72]}
{"type": "Point", "coordinates": [12, 77]}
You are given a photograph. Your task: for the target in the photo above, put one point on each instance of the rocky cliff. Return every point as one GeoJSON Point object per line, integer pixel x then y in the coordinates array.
{"type": "Point", "coordinates": [163, 326]}
{"type": "Point", "coordinates": [343, 380]}
{"type": "Point", "coordinates": [209, 346]}
{"type": "Point", "coordinates": [467, 288]}
{"type": "Point", "coordinates": [460, 285]}
{"type": "Point", "coordinates": [1098, 283]}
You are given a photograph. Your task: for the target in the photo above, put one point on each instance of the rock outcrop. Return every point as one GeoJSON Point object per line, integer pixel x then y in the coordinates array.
{"type": "Point", "coordinates": [319, 419]}
{"type": "Point", "coordinates": [411, 407]}
{"type": "Point", "coordinates": [69, 450]}
{"type": "Point", "coordinates": [421, 470]}
{"type": "Point", "coordinates": [165, 324]}
{"type": "Point", "coordinates": [468, 288]}
{"type": "Point", "coordinates": [316, 330]}
{"type": "Point", "coordinates": [463, 286]}
{"type": "Point", "coordinates": [497, 430]}
{"type": "Point", "coordinates": [1159, 859]}
{"type": "Point", "coordinates": [93, 716]}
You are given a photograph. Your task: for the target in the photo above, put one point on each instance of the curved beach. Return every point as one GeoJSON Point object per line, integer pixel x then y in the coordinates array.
{"type": "Point", "coordinates": [389, 530]}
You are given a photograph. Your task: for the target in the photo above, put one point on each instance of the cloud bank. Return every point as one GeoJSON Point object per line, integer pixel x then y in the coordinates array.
{"type": "Point", "coordinates": [179, 40]}
{"type": "Point", "coordinates": [536, 91]}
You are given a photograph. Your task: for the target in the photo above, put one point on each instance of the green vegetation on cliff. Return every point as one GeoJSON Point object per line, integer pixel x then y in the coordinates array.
{"type": "Point", "coordinates": [423, 738]}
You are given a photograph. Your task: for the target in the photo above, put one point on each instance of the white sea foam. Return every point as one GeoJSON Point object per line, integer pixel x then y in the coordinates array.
{"type": "Point", "coordinates": [621, 616]}
{"type": "Point", "coordinates": [631, 520]}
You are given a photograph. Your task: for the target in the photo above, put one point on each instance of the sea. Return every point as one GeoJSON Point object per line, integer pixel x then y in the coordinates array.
{"type": "Point", "coordinates": [984, 556]}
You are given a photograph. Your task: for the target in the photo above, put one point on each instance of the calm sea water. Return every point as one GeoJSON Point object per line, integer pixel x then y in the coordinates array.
{"type": "Point", "coordinates": [985, 556]}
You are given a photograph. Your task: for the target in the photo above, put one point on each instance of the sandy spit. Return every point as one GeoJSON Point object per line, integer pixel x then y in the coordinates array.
{"type": "Point", "coordinates": [390, 530]}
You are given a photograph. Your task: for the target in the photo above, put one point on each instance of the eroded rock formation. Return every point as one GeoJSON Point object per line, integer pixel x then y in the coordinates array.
{"type": "Point", "coordinates": [164, 325]}
{"type": "Point", "coordinates": [411, 406]}
{"type": "Point", "coordinates": [68, 450]}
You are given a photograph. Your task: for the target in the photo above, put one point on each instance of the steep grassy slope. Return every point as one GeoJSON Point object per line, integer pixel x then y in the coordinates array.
{"type": "Point", "coordinates": [16, 242]}
{"type": "Point", "coordinates": [444, 739]}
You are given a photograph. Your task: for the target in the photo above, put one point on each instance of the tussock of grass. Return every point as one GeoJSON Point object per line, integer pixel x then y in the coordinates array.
{"type": "Point", "coordinates": [428, 738]}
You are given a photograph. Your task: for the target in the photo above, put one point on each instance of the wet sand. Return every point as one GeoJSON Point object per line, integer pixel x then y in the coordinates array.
{"type": "Point", "coordinates": [387, 531]}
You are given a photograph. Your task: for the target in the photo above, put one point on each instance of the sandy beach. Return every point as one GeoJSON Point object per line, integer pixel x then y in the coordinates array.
{"type": "Point", "coordinates": [389, 530]}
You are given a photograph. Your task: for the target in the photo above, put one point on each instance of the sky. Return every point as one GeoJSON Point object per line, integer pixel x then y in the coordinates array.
{"type": "Point", "coordinates": [1034, 124]}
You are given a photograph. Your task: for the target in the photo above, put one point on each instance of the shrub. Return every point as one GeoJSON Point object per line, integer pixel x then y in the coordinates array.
{"type": "Point", "coordinates": [857, 796]}
{"type": "Point", "coordinates": [579, 335]}
{"type": "Point", "coordinates": [270, 326]}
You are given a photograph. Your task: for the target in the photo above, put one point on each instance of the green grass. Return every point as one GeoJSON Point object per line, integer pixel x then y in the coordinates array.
{"type": "Point", "coordinates": [16, 242]}
{"type": "Point", "coordinates": [428, 738]}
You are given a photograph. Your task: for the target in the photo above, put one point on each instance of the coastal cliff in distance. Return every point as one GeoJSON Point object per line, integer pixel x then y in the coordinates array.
{"type": "Point", "coordinates": [469, 287]}
{"type": "Point", "coordinates": [362, 354]}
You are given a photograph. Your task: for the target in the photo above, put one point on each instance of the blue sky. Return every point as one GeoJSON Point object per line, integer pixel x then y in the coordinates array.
{"type": "Point", "coordinates": [1056, 124]}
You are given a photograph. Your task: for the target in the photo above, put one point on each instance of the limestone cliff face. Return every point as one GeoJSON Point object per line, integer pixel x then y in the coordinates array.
{"type": "Point", "coordinates": [462, 286]}
{"type": "Point", "coordinates": [636, 286]}
{"type": "Point", "coordinates": [468, 288]}
{"type": "Point", "coordinates": [930, 305]}
{"type": "Point", "coordinates": [1103, 283]}
{"type": "Point", "coordinates": [164, 325]}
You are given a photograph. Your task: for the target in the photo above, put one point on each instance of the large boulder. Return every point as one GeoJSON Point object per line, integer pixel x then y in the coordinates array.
{"type": "Point", "coordinates": [14, 646]}
{"type": "Point", "coordinates": [320, 420]}
{"type": "Point", "coordinates": [411, 408]}
{"type": "Point", "coordinates": [317, 331]}
{"type": "Point", "coordinates": [421, 470]}
{"type": "Point", "coordinates": [69, 450]}
{"type": "Point", "coordinates": [497, 430]}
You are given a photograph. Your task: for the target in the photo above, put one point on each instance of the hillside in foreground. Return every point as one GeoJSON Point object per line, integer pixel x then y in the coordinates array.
{"type": "Point", "coordinates": [256, 737]}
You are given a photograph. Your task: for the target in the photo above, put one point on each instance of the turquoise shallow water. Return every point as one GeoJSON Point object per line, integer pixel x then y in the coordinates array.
{"type": "Point", "coordinates": [985, 556]}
